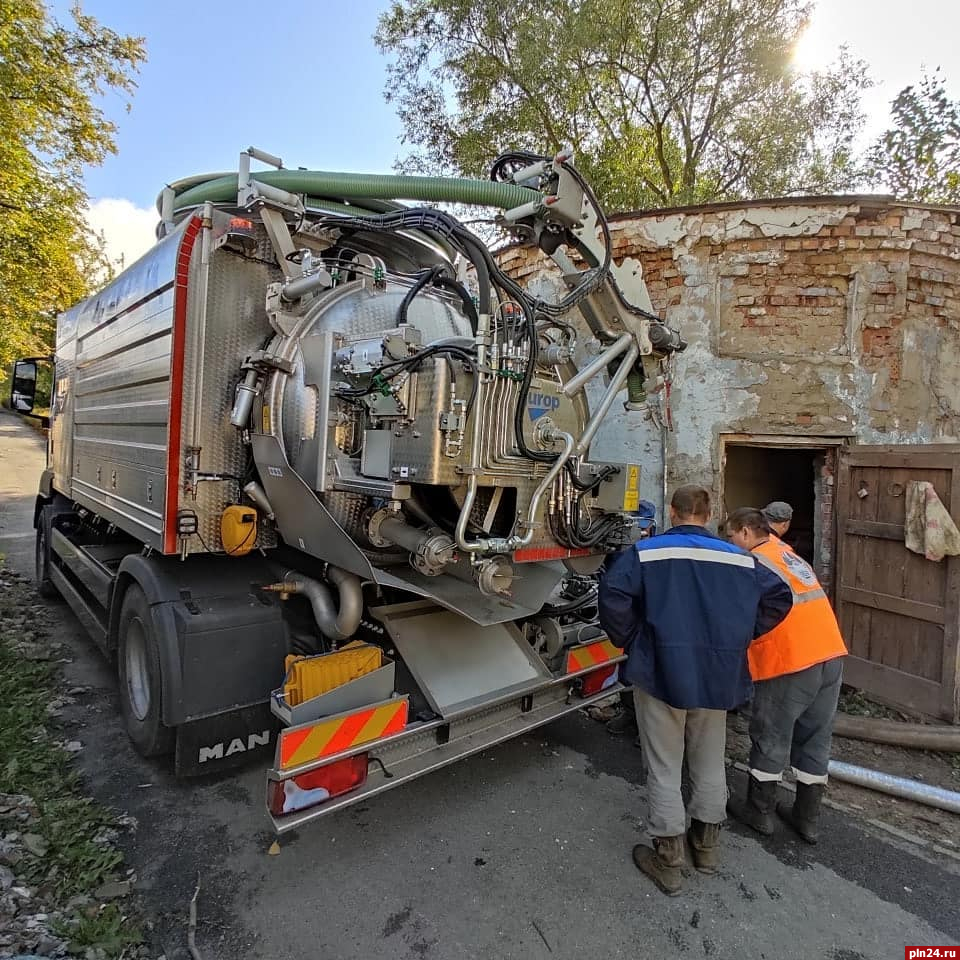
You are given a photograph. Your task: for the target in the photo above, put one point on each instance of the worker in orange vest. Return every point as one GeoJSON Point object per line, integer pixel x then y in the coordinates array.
{"type": "Point", "coordinates": [796, 669]}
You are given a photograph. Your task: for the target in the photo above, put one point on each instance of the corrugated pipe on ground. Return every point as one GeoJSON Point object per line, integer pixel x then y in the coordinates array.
{"type": "Point", "coordinates": [896, 786]}
{"type": "Point", "coordinates": [920, 736]}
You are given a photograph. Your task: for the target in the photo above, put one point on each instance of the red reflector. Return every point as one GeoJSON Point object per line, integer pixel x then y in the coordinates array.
{"type": "Point", "coordinates": [309, 789]}
{"type": "Point", "coordinates": [535, 554]}
{"type": "Point", "coordinates": [599, 680]}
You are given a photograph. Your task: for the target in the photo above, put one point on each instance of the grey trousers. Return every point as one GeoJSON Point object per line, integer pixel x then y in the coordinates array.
{"type": "Point", "coordinates": [793, 721]}
{"type": "Point", "coordinates": [666, 736]}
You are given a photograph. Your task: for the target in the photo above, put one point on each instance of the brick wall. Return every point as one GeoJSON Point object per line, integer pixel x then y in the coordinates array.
{"type": "Point", "coordinates": [821, 318]}
{"type": "Point", "coordinates": [824, 528]}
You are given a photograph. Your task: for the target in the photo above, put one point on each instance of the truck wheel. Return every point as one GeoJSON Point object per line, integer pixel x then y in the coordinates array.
{"type": "Point", "coordinates": [138, 662]}
{"type": "Point", "coordinates": [45, 585]}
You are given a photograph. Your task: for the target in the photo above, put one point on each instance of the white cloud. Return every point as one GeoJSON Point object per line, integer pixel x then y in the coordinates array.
{"type": "Point", "coordinates": [128, 230]}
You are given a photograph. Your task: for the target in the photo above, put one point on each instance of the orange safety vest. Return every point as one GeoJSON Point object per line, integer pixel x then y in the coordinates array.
{"type": "Point", "coordinates": [809, 634]}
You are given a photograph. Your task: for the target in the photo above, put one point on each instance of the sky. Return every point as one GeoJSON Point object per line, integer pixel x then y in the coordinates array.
{"type": "Point", "coordinates": [306, 83]}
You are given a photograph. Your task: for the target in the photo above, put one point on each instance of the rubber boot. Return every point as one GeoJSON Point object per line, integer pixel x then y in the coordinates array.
{"type": "Point", "coordinates": [756, 811]}
{"type": "Point", "coordinates": [704, 839]}
{"type": "Point", "coordinates": [663, 863]}
{"type": "Point", "coordinates": [804, 815]}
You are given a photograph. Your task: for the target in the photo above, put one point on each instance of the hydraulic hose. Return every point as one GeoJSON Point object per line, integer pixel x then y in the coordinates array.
{"type": "Point", "coordinates": [358, 186]}
{"type": "Point", "coordinates": [448, 283]}
{"type": "Point", "coordinates": [426, 277]}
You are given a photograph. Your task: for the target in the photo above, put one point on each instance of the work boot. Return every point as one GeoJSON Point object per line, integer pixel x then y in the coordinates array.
{"type": "Point", "coordinates": [805, 812]}
{"type": "Point", "coordinates": [704, 841]}
{"type": "Point", "coordinates": [663, 863]}
{"type": "Point", "coordinates": [756, 811]}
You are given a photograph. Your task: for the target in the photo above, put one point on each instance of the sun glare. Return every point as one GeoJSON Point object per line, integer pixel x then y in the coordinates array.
{"type": "Point", "coordinates": [813, 50]}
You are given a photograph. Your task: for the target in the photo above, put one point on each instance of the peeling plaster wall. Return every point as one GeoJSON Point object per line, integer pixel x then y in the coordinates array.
{"type": "Point", "coordinates": [820, 318]}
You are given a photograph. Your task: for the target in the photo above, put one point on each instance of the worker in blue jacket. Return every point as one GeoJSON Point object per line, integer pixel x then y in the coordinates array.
{"type": "Point", "coordinates": [685, 606]}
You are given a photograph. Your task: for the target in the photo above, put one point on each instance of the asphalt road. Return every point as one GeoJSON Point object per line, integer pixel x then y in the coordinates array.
{"type": "Point", "coordinates": [521, 852]}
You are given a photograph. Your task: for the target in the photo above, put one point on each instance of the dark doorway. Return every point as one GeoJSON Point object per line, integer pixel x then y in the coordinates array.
{"type": "Point", "coordinates": [756, 475]}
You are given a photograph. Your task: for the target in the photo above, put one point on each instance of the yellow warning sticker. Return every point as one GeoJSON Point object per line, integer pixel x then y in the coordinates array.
{"type": "Point", "coordinates": [266, 419]}
{"type": "Point", "coordinates": [631, 493]}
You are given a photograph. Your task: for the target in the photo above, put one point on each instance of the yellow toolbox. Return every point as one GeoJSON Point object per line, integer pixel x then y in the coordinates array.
{"type": "Point", "coordinates": [309, 677]}
{"type": "Point", "coordinates": [329, 683]}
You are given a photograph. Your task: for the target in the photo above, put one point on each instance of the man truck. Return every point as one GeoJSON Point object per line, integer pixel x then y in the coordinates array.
{"type": "Point", "coordinates": [319, 473]}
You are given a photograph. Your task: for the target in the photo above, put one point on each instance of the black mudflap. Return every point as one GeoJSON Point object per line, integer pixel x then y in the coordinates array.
{"type": "Point", "coordinates": [226, 741]}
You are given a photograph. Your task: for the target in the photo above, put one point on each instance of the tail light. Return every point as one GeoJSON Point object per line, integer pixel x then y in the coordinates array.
{"type": "Point", "coordinates": [598, 680]}
{"type": "Point", "coordinates": [309, 789]}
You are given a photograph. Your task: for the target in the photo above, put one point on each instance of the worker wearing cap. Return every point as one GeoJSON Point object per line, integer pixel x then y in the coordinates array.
{"type": "Point", "coordinates": [796, 668]}
{"type": "Point", "coordinates": [685, 606]}
{"type": "Point", "coordinates": [779, 516]}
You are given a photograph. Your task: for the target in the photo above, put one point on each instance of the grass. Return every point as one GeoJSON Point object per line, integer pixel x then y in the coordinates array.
{"type": "Point", "coordinates": [67, 821]}
{"type": "Point", "coordinates": [857, 705]}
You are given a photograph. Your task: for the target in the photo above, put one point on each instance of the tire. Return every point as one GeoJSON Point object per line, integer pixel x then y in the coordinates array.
{"type": "Point", "coordinates": [45, 586]}
{"type": "Point", "coordinates": [138, 667]}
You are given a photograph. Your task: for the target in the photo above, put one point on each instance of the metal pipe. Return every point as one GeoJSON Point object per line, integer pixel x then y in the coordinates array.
{"type": "Point", "coordinates": [247, 391]}
{"type": "Point", "coordinates": [337, 624]}
{"type": "Point", "coordinates": [471, 546]}
{"type": "Point", "coordinates": [921, 736]}
{"type": "Point", "coordinates": [433, 550]}
{"type": "Point", "coordinates": [300, 286]}
{"type": "Point", "coordinates": [243, 174]}
{"type": "Point", "coordinates": [275, 194]}
{"type": "Point", "coordinates": [258, 495]}
{"type": "Point", "coordinates": [476, 437]}
{"type": "Point", "coordinates": [530, 209]}
{"type": "Point", "coordinates": [597, 365]}
{"type": "Point", "coordinates": [265, 157]}
{"type": "Point", "coordinates": [398, 531]}
{"type": "Point", "coordinates": [619, 378]}
{"type": "Point", "coordinates": [537, 169]}
{"type": "Point", "coordinates": [896, 786]}
{"type": "Point", "coordinates": [167, 197]}
{"type": "Point", "coordinates": [546, 482]}
{"type": "Point", "coordinates": [509, 544]}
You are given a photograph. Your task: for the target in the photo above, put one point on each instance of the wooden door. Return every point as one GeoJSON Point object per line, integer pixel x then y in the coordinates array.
{"type": "Point", "coordinates": [898, 611]}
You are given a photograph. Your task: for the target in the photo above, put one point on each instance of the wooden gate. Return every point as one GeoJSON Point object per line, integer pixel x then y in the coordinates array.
{"type": "Point", "coordinates": [898, 611]}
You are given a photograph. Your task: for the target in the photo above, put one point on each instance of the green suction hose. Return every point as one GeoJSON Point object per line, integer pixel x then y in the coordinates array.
{"type": "Point", "coordinates": [358, 186]}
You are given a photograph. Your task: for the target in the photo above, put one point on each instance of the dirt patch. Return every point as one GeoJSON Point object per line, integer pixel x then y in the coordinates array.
{"type": "Point", "coordinates": [937, 769]}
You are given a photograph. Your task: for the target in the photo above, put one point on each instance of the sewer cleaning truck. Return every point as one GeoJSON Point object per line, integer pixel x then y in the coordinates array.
{"type": "Point", "coordinates": [319, 473]}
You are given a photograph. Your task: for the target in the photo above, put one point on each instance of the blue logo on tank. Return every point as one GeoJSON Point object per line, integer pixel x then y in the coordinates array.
{"type": "Point", "coordinates": [540, 403]}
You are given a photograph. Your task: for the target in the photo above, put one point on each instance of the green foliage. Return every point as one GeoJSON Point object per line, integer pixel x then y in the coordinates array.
{"type": "Point", "coordinates": [68, 823]}
{"type": "Point", "coordinates": [855, 703]}
{"type": "Point", "coordinates": [52, 80]}
{"type": "Point", "coordinates": [34, 765]}
{"type": "Point", "coordinates": [918, 158]}
{"type": "Point", "coordinates": [664, 101]}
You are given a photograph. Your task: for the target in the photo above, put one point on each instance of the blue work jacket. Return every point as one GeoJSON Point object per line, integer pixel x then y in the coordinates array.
{"type": "Point", "coordinates": [685, 606]}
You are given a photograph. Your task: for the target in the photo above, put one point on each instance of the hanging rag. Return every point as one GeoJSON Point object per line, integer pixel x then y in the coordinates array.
{"type": "Point", "coordinates": [929, 529]}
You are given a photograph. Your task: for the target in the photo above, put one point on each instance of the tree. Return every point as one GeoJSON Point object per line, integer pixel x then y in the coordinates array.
{"type": "Point", "coordinates": [918, 158]}
{"type": "Point", "coordinates": [52, 79]}
{"type": "Point", "coordinates": [664, 101]}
